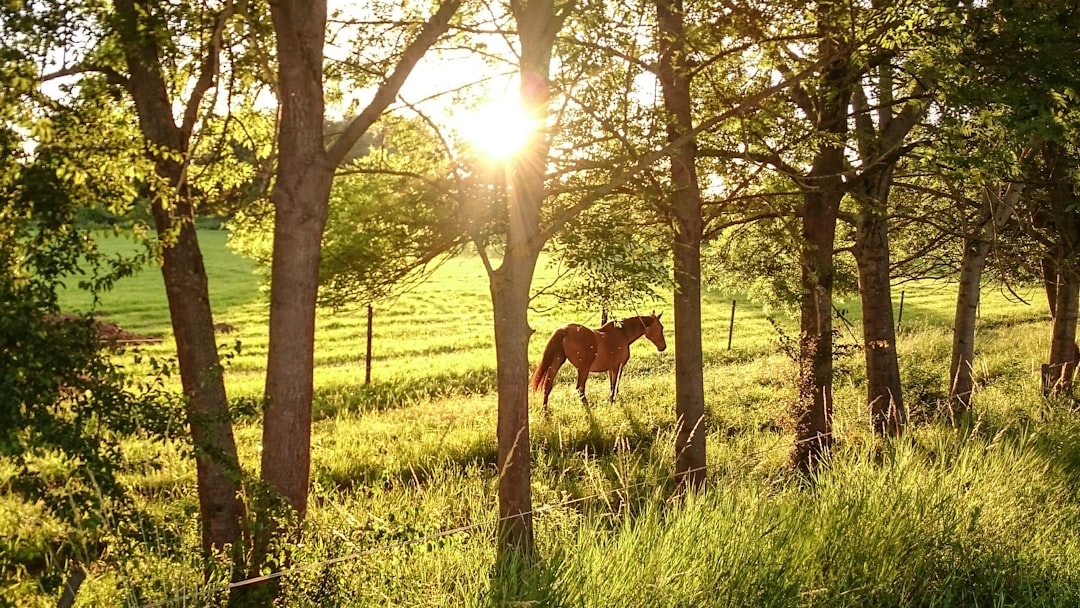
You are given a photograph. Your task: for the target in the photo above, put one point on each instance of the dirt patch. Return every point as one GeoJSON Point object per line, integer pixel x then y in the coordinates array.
{"type": "Point", "coordinates": [109, 334]}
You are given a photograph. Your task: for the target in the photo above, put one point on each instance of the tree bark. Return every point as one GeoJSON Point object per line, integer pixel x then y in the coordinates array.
{"type": "Point", "coordinates": [300, 197]}
{"type": "Point", "coordinates": [968, 293]}
{"type": "Point", "coordinates": [813, 430]}
{"type": "Point", "coordinates": [538, 21]}
{"type": "Point", "coordinates": [823, 189]}
{"type": "Point", "coordinates": [184, 274]}
{"type": "Point", "coordinates": [883, 388]}
{"type": "Point", "coordinates": [301, 192]}
{"type": "Point", "coordinates": [686, 207]}
{"type": "Point", "coordinates": [202, 377]}
{"type": "Point", "coordinates": [1060, 370]}
{"type": "Point", "coordinates": [880, 146]}
{"type": "Point", "coordinates": [1050, 282]}
{"type": "Point", "coordinates": [995, 212]}
{"type": "Point", "coordinates": [510, 301]}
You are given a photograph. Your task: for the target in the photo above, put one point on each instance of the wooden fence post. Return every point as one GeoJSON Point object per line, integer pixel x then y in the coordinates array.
{"type": "Point", "coordinates": [367, 356]}
{"type": "Point", "coordinates": [731, 325]}
{"type": "Point", "coordinates": [900, 315]}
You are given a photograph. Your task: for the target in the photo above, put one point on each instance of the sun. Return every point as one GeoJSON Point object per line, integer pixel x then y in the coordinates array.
{"type": "Point", "coordinates": [499, 129]}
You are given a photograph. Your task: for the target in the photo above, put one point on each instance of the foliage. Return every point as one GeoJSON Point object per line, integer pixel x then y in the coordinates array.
{"type": "Point", "coordinates": [613, 260]}
{"type": "Point", "coordinates": [392, 216]}
{"type": "Point", "coordinates": [761, 260]}
{"type": "Point", "coordinates": [64, 411]}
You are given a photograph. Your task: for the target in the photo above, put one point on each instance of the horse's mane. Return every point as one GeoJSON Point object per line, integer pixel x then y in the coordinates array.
{"type": "Point", "coordinates": [645, 320]}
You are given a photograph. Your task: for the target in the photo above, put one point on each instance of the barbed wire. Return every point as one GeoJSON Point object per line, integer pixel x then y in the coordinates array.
{"type": "Point", "coordinates": [462, 529]}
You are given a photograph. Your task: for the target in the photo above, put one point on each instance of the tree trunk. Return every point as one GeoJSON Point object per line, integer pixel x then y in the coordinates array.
{"type": "Point", "coordinates": [996, 211]}
{"type": "Point", "coordinates": [823, 189]}
{"type": "Point", "coordinates": [538, 22]}
{"type": "Point", "coordinates": [1060, 169]}
{"type": "Point", "coordinates": [689, 377]}
{"type": "Point", "coordinates": [305, 172]}
{"type": "Point", "coordinates": [686, 207]}
{"type": "Point", "coordinates": [1059, 373]}
{"type": "Point", "coordinates": [880, 147]}
{"type": "Point", "coordinates": [883, 388]}
{"type": "Point", "coordinates": [299, 218]}
{"type": "Point", "coordinates": [186, 288]}
{"type": "Point", "coordinates": [510, 300]}
{"type": "Point", "coordinates": [300, 197]}
{"type": "Point", "coordinates": [813, 430]}
{"type": "Point", "coordinates": [1050, 285]}
{"type": "Point", "coordinates": [961, 372]}
{"type": "Point", "coordinates": [202, 377]}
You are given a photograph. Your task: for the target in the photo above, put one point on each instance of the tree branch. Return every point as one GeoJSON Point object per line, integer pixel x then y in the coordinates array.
{"type": "Point", "coordinates": [208, 71]}
{"type": "Point", "coordinates": [435, 27]}
{"type": "Point", "coordinates": [619, 180]}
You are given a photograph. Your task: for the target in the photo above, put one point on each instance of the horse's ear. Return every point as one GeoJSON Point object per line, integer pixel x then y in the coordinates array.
{"type": "Point", "coordinates": [658, 316]}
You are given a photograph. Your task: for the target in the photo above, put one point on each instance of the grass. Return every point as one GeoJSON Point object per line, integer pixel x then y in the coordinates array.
{"type": "Point", "coordinates": [985, 515]}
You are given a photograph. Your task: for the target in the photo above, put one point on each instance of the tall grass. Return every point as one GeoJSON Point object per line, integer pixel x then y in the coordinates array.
{"type": "Point", "coordinates": [979, 516]}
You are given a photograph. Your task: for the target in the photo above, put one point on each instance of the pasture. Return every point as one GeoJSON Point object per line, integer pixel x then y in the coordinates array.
{"type": "Point", "coordinates": [403, 478]}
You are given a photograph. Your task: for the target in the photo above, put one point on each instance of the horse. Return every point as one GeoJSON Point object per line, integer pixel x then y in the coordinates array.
{"type": "Point", "coordinates": [606, 349]}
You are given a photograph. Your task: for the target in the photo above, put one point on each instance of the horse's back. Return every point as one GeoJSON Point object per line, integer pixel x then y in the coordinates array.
{"type": "Point", "coordinates": [599, 350]}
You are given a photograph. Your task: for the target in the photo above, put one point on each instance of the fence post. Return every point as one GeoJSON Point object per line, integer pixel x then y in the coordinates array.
{"type": "Point", "coordinates": [731, 325]}
{"type": "Point", "coordinates": [367, 356]}
{"type": "Point", "coordinates": [900, 315]}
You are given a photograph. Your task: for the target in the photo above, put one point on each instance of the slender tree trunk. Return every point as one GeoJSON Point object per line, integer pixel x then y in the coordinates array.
{"type": "Point", "coordinates": [186, 287]}
{"type": "Point", "coordinates": [538, 21]}
{"type": "Point", "coordinates": [300, 197]}
{"type": "Point", "coordinates": [299, 218]}
{"type": "Point", "coordinates": [961, 371]}
{"type": "Point", "coordinates": [1060, 370]}
{"type": "Point", "coordinates": [823, 189]}
{"type": "Point", "coordinates": [305, 172]}
{"type": "Point", "coordinates": [1050, 283]}
{"type": "Point", "coordinates": [202, 377]}
{"type": "Point", "coordinates": [883, 388]}
{"type": "Point", "coordinates": [1059, 373]}
{"type": "Point", "coordinates": [689, 378]}
{"type": "Point", "coordinates": [510, 301]}
{"type": "Point", "coordinates": [995, 213]}
{"type": "Point", "coordinates": [686, 207]}
{"type": "Point", "coordinates": [813, 430]}
{"type": "Point", "coordinates": [880, 146]}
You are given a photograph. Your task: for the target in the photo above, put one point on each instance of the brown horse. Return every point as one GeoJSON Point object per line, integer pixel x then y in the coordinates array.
{"type": "Point", "coordinates": [595, 350]}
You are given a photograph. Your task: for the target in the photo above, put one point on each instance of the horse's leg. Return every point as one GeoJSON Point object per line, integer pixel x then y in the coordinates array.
{"type": "Point", "coordinates": [614, 374]}
{"type": "Point", "coordinates": [549, 381]}
{"type": "Point", "coordinates": [582, 376]}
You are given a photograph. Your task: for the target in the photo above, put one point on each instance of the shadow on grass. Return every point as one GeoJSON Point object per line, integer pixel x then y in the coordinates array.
{"type": "Point", "coordinates": [383, 395]}
{"type": "Point", "coordinates": [401, 391]}
{"type": "Point", "coordinates": [594, 442]}
{"type": "Point", "coordinates": [524, 580]}
{"type": "Point", "coordinates": [481, 454]}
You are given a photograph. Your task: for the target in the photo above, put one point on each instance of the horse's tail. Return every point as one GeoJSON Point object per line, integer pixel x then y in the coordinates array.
{"type": "Point", "coordinates": [553, 351]}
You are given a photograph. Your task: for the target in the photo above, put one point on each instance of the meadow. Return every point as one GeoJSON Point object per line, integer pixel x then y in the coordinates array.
{"type": "Point", "coordinates": [403, 479]}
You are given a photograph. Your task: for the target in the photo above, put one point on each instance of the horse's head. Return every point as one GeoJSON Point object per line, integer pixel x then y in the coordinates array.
{"type": "Point", "coordinates": [654, 331]}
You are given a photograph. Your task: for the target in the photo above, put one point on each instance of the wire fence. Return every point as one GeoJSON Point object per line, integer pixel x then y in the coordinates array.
{"type": "Point", "coordinates": [654, 481]}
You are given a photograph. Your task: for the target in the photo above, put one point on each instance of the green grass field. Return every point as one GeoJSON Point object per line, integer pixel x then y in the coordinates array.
{"type": "Point", "coordinates": [984, 516]}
